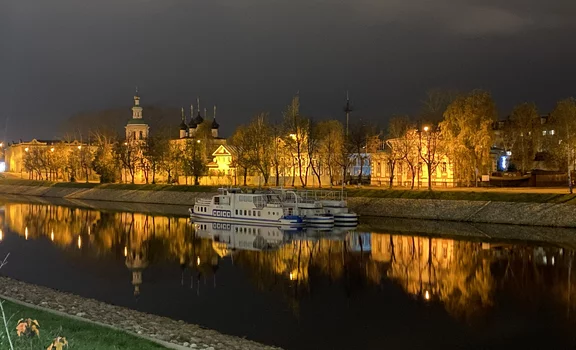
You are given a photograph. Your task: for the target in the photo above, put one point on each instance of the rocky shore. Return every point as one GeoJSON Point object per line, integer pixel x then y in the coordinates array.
{"type": "Point", "coordinates": [174, 334]}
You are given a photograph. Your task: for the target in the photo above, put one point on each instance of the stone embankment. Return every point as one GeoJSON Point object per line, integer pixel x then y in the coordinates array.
{"type": "Point", "coordinates": [493, 212]}
{"type": "Point", "coordinates": [98, 194]}
{"type": "Point", "coordinates": [533, 214]}
{"type": "Point", "coordinates": [171, 333]}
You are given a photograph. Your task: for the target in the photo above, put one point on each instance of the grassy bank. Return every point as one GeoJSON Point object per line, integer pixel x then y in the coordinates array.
{"type": "Point", "coordinates": [149, 187]}
{"type": "Point", "coordinates": [80, 335]}
{"type": "Point", "coordinates": [497, 195]}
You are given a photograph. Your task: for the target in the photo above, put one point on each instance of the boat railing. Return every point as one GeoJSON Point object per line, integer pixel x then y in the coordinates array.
{"type": "Point", "coordinates": [203, 201]}
{"type": "Point", "coordinates": [322, 195]}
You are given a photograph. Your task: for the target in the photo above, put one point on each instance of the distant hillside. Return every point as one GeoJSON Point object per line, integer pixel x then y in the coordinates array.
{"type": "Point", "coordinates": [159, 119]}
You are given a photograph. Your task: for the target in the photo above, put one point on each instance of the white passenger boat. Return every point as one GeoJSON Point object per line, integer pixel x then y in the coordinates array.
{"type": "Point", "coordinates": [231, 205]}
{"type": "Point", "coordinates": [333, 203]}
{"type": "Point", "coordinates": [230, 236]}
{"type": "Point", "coordinates": [310, 210]}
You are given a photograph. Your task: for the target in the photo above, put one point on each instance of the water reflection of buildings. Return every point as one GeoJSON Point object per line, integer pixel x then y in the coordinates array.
{"type": "Point", "coordinates": [463, 275]}
{"type": "Point", "coordinates": [123, 234]}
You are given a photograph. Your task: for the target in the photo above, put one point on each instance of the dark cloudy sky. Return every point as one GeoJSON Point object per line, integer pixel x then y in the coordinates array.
{"type": "Point", "coordinates": [60, 57]}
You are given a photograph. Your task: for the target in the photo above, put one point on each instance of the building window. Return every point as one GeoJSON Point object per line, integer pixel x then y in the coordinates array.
{"type": "Point", "coordinates": [543, 132]}
{"type": "Point", "coordinates": [141, 135]}
{"type": "Point", "coordinates": [552, 132]}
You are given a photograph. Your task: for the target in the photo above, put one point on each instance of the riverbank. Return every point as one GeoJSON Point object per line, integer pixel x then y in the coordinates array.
{"type": "Point", "coordinates": [532, 209]}
{"type": "Point", "coordinates": [138, 324]}
{"type": "Point", "coordinates": [77, 334]}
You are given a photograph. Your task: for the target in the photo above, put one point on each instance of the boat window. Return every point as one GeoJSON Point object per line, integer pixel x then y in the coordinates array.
{"type": "Point", "coordinates": [253, 213]}
{"type": "Point", "coordinates": [259, 213]}
{"type": "Point", "coordinates": [245, 212]}
{"type": "Point", "coordinates": [216, 200]}
{"type": "Point", "coordinates": [236, 211]}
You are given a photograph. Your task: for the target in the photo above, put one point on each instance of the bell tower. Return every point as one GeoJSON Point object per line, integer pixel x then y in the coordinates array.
{"type": "Point", "coordinates": [136, 129]}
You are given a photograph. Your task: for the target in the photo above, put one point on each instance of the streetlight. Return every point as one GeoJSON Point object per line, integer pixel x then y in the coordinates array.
{"type": "Point", "coordinates": [79, 147]}
{"type": "Point", "coordinates": [426, 128]}
{"type": "Point", "coordinates": [52, 149]}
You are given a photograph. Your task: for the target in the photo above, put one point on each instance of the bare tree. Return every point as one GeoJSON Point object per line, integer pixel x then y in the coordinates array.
{"type": "Point", "coordinates": [398, 129]}
{"type": "Point", "coordinates": [105, 161]}
{"type": "Point", "coordinates": [296, 127]}
{"type": "Point", "coordinates": [468, 131]}
{"type": "Point", "coordinates": [241, 148]}
{"type": "Point", "coordinates": [563, 119]}
{"type": "Point", "coordinates": [362, 138]}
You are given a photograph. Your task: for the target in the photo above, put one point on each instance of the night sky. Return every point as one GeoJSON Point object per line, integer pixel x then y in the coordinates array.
{"type": "Point", "coordinates": [62, 57]}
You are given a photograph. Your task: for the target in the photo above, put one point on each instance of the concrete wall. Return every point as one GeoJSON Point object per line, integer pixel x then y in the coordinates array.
{"type": "Point", "coordinates": [132, 196]}
{"type": "Point", "coordinates": [533, 214]}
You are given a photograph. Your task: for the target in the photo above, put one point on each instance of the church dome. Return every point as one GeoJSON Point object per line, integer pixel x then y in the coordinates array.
{"type": "Point", "coordinates": [183, 125]}
{"type": "Point", "coordinates": [192, 124]}
{"type": "Point", "coordinates": [215, 124]}
{"type": "Point", "coordinates": [198, 120]}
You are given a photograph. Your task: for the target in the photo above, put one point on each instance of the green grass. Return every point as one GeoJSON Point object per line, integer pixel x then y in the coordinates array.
{"type": "Point", "coordinates": [80, 335]}
{"type": "Point", "coordinates": [132, 187]}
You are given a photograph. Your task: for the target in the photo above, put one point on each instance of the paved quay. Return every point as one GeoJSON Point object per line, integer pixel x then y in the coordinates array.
{"type": "Point", "coordinates": [172, 333]}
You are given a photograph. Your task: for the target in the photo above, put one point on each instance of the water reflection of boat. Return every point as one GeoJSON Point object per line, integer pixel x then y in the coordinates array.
{"type": "Point", "coordinates": [359, 241]}
{"type": "Point", "coordinates": [230, 236]}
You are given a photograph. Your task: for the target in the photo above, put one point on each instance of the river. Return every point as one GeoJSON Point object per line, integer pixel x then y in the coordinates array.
{"type": "Point", "coordinates": [365, 288]}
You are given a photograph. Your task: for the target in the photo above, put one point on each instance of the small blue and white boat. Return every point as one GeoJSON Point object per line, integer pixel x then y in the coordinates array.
{"type": "Point", "coordinates": [231, 205]}
{"type": "Point", "coordinates": [310, 210]}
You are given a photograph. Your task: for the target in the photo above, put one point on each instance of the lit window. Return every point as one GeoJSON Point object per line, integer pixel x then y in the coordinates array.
{"type": "Point", "coordinates": [543, 132]}
{"type": "Point", "coordinates": [552, 132]}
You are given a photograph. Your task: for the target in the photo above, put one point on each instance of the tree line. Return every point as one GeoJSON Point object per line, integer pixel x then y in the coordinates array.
{"type": "Point", "coordinates": [464, 128]}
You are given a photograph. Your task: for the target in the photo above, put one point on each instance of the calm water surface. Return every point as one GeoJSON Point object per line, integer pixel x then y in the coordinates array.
{"type": "Point", "coordinates": [302, 290]}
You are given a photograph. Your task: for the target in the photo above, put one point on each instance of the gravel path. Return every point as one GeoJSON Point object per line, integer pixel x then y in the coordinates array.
{"type": "Point", "coordinates": [145, 325]}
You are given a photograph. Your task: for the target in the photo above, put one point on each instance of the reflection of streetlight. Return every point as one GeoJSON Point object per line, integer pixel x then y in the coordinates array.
{"type": "Point", "coordinates": [427, 295]}
{"type": "Point", "coordinates": [79, 242]}
{"type": "Point", "coordinates": [1, 235]}
{"type": "Point", "coordinates": [52, 236]}
{"type": "Point", "coordinates": [26, 233]}
{"type": "Point", "coordinates": [198, 261]}
{"type": "Point", "coordinates": [125, 251]}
